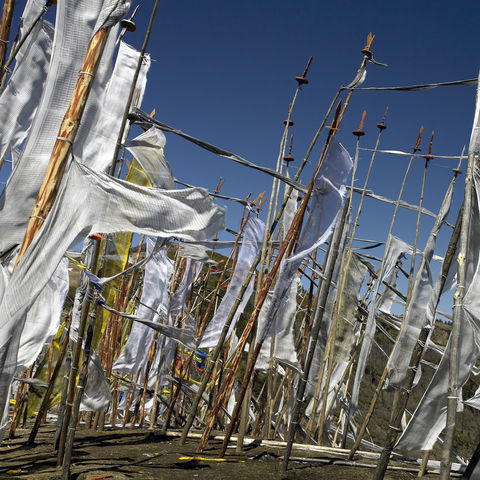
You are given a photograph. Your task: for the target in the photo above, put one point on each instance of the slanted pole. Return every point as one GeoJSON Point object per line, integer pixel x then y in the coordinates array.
{"type": "Point", "coordinates": [346, 258]}
{"type": "Point", "coordinates": [66, 136]}
{"type": "Point", "coordinates": [452, 398]}
{"type": "Point", "coordinates": [133, 86]}
{"type": "Point", "coordinates": [77, 351]}
{"type": "Point", "coordinates": [6, 23]}
{"type": "Point", "coordinates": [46, 398]}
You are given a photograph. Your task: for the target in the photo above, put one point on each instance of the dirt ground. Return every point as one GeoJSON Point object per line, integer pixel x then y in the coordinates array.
{"type": "Point", "coordinates": [121, 454]}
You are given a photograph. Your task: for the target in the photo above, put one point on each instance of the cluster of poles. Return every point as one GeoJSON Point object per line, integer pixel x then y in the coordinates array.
{"type": "Point", "coordinates": [198, 395]}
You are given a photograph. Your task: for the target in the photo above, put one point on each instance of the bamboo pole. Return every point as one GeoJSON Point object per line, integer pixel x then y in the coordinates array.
{"type": "Point", "coordinates": [346, 257]}
{"type": "Point", "coordinates": [452, 398]}
{"type": "Point", "coordinates": [322, 294]}
{"type": "Point", "coordinates": [271, 209]}
{"type": "Point", "coordinates": [401, 397]}
{"type": "Point", "coordinates": [46, 398]}
{"type": "Point", "coordinates": [82, 380]}
{"type": "Point", "coordinates": [6, 23]}
{"type": "Point", "coordinates": [5, 69]}
{"type": "Point", "coordinates": [77, 351]}
{"type": "Point", "coordinates": [133, 86]}
{"type": "Point", "coordinates": [318, 309]}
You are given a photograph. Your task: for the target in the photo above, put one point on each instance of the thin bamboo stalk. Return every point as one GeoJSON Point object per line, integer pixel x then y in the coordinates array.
{"type": "Point", "coordinates": [18, 403]}
{"type": "Point", "coordinates": [401, 397]}
{"type": "Point", "coordinates": [5, 70]}
{"type": "Point", "coordinates": [318, 309]}
{"type": "Point", "coordinates": [77, 350]}
{"type": "Point", "coordinates": [6, 23]}
{"type": "Point", "coordinates": [416, 355]}
{"type": "Point", "coordinates": [452, 398]}
{"type": "Point", "coordinates": [134, 84]}
{"type": "Point", "coordinates": [82, 380]}
{"type": "Point", "coordinates": [328, 356]}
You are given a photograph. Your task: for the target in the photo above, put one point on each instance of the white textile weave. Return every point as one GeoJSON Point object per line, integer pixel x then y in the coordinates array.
{"type": "Point", "coordinates": [90, 202]}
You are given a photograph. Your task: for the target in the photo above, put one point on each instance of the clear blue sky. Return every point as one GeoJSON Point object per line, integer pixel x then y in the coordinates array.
{"type": "Point", "coordinates": [224, 71]}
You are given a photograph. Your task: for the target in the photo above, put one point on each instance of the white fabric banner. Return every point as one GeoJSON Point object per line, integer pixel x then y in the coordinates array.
{"type": "Point", "coordinates": [148, 149]}
{"type": "Point", "coordinates": [43, 317]}
{"type": "Point", "coordinates": [96, 141]}
{"type": "Point", "coordinates": [96, 395]}
{"type": "Point", "coordinates": [475, 136]}
{"type": "Point", "coordinates": [19, 100]}
{"type": "Point", "coordinates": [325, 203]}
{"type": "Point", "coordinates": [90, 202]}
{"type": "Point", "coordinates": [284, 351]}
{"type": "Point", "coordinates": [153, 307]}
{"type": "Point", "coordinates": [252, 238]}
{"type": "Point", "coordinates": [395, 247]}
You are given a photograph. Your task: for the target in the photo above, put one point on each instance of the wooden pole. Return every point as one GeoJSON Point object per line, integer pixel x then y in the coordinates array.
{"type": "Point", "coordinates": [77, 351]}
{"type": "Point", "coordinates": [46, 398]}
{"type": "Point", "coordinates": [381, 126]}
{"type": "Point", "coordinates": [319, 308]}
{"type": "Point", "coordinates": [322, 294]}
{"type": "Point", "coordinates": [328, 356]}
{"type": "Point", "coordinates": [133, 86]}
{"type": "Point", "coordinates": [416, 355]}
{"type": "Point", "coordinates": [452, 398]}
{"type": "Point", "coordinates": [5, 68]}
{"type": "Point", "coordinates": [6, 23]}
{"type": "Point", "coordinates": [82, 381]}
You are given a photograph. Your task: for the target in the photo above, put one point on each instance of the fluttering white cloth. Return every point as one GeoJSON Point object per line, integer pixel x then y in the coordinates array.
{"type": "Point", "coordinates": [96, 395]}
{"type": "Point", "coordinates": [284, 350]}
{"type": "Point", "coordinates": [395, 247]}
{"type": "Point", "coordinates": [195, 252]}
{"type": "Point", "coordinates": [148, 148]}
{"type": "Point", "coordinates": [90, 202]}
{"type": "Point", "coordinates": [429, 418]}
{"type": "Point", "coordinates": [153, 306]}
{"type": "Point", "coordinates": [43, 317]}
{"type": "Point", "coordinates": [252, 236]}
{"type": "Point", "coordinates": [388, 297]}
{"type": "Point", "coordinates": [475, 136]}
{"type": "Point", "coordinates": [74, 26]}
{"type": "Point", "coordinates": [325, 203]}
{"type": "Point", "coordinates": [19, 100]}
{"type": "Point", "coordinates": [97, 137]}
{"type": "Point", "coordinates": [416, 314]}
